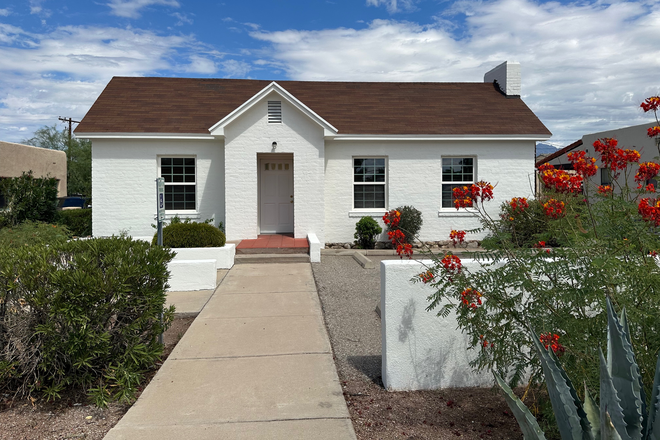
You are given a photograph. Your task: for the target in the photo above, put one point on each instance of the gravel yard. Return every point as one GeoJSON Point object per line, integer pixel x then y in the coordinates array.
{"type": "Point", "coordinates": [349, 295]}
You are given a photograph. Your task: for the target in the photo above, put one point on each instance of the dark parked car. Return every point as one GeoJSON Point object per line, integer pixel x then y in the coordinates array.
{"type": "Point", "coordinates": [72, 202]}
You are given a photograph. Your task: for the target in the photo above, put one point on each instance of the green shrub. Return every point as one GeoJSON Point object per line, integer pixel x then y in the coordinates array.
{"type": "Point", "coordinates": [523, 229]}
{"type": "Point", "coordinates": [31, 233]}
{"type": "Point", "coordinates": [29, 198]}
{"type": "Point", "coordinates": [410, 222]}
{"type": "Point", "coordinates": [78, 221]}
{"type": "Point", "coordinates": [190, 234]}
{"type": "Point", "coordinates": [366, 231]}
{"type": "Point", "coordinates": [84, 313]}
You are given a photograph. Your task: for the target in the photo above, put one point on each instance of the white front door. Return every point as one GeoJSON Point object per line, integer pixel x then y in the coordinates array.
{"type": "Point", "coordinates": [276, 196]}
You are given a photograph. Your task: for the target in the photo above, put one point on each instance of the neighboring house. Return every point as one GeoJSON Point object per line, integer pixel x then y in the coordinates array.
{"type": "Point", "coordinates": [305, 157]}
{"type": "Point", "coordinates": [15, 159]}
{"type": "Point", "coordinates": [634, 137]}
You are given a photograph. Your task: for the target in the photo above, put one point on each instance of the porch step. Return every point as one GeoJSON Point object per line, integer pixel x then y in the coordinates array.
{"type": "Point", "coordinates": [273, 250]}
{"type": "Point", "coordinates": [271, 258]}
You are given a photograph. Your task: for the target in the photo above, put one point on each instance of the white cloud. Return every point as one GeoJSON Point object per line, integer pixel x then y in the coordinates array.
{"type": "Point", "coordinates": [585, 66]}
{"type": "Point", "coordinates": [4, 12]}
{"type": "Point", "coordinates": [61, 73]}
{"type": "Point", "coordinates": [131, 8]}
{"type": "Point", "coordinates": [183, 19]}
{"type": "Point", "coordinates": [236, 69]}
{"type": "Point", "coordinates": [394, 6]}
{"type": "Point", "coordinates": [201, 65]}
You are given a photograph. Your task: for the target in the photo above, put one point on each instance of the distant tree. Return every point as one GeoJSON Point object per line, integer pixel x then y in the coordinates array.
{"type": "Point", "coordinates": [78, 156]}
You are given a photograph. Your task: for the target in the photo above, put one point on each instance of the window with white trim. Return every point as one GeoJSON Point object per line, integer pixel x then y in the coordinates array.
{"type": "Point", "coordinates": [180, 183]}
{"type": "Point", "coordinates": [369, 181]}
{"type": "Point", "coordinates": [456, 171]}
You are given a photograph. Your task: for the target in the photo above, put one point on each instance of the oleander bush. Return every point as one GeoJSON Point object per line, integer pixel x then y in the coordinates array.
{"type": "Point", "coordinates": [366, 230]}
{"type": "Point", "coordinates": [78, 221]}
{"type": "Point", "coordinates": [32, 233]}
{"type": "Point", "coordinates": [29, 198]}
{"type": "Point", "coordinates": [187, 234]}
{"type": "Point", "coordinates": [82, 314]}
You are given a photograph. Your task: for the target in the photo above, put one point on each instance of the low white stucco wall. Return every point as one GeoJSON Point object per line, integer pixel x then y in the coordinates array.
{"type": "Point", "coordinates": [224, 256]}
{"type": "Point", "coordinates": [421, 350]}
{"type": "Point", "coordinates": [197, 268]}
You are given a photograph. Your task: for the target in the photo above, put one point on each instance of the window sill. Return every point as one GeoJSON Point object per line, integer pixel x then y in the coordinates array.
{"type": "Point", "coordinates": [181, 214]}
{"type": "Point", "coordinates": [367, 213]}
{"type": "Point", "coordinates": [453, 212]}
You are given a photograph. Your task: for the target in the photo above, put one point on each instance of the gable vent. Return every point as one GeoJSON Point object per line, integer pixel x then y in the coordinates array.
{"type": "Point", "coordinates": [274, 112]}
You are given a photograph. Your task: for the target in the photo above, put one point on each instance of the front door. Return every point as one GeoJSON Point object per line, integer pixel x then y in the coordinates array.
{"type": "Point", "coordinates": [276, 196]}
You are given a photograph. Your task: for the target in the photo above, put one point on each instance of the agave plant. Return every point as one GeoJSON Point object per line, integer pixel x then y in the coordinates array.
{"type": "Point", "coordinates": [623, 413]}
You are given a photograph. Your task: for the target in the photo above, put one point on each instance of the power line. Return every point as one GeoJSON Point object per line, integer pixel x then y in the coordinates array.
{"type": "Point", "coordinates": [70, 121]}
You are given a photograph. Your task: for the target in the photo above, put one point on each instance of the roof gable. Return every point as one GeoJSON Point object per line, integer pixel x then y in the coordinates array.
{"type": "Point", "coordinates": [194, 105]}
{"type": "Point", "coordinates": [218, 128]}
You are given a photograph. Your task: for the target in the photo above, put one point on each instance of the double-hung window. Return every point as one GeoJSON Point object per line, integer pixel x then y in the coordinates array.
{"type": "Point", "coordinates": [369, 182]}
{"type": "Point", "coordinates": [456, 171]}
{"type": "Point", "coordinates": [180, 183]}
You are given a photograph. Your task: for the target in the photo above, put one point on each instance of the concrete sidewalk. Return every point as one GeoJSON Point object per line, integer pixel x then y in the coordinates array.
{"type": "Point", "coordinates": [255, 364]}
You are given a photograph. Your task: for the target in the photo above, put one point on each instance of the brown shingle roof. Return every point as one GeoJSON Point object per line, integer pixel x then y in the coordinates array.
{"type": "Point", "coordinates": [193, 105]}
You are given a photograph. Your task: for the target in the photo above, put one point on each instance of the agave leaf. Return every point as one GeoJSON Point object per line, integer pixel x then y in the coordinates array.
{"type": "Point", "coordinates": [626, 329]}
{"type": "Point", "coordinates": [653, 426]}
{"type": "Point", "coordinates": [624, 372]}
{"type": "Point", "coordinates": [593, 413]}
{"type": "Point", "coordinates": [561, 394]}
{"type": "Point", "coordinates": [610, 404]}
{"type": "Point", "coordinates": [609, 433]}
{"type": "Point", "coordinates": [527, 422]}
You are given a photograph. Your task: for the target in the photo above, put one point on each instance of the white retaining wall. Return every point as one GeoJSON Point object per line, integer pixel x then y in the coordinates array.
{"type": "Point", "coordinates": [414, 177]}
{"type": "Point", "coordinates": [197, 268]}
{"type": "Point", "coordinates": [250, 135]}
{"type": "Point", "coordinates": [124, 172]}
{"type": "Point", "coordinates": [421, 350]}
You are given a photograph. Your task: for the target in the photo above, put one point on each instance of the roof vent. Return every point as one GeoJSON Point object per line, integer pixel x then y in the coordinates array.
{"type": "Point", "coordinates": [274, 112]}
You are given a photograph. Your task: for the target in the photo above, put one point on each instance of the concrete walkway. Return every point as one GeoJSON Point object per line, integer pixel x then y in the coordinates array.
{"type": "Point", "coordinates": [255, 364]}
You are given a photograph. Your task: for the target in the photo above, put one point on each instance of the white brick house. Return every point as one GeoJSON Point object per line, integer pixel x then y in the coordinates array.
{"type": "Point", "coordinates": [305, 157]}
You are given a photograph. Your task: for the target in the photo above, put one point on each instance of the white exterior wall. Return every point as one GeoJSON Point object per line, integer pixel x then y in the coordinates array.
{"type": "Point", "coordinates": [124, 188]}
{"type": "Point", "coordinates": [414, 177]}
{"type": "Point", "coordinates": [251, 134]}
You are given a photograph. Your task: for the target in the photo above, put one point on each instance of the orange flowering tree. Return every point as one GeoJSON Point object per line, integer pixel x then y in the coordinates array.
{"type": "Point", "coordinates": [610, 239]}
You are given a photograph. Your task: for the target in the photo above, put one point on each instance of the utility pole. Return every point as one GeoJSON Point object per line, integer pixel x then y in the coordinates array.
{"type": "Point", "coordinates": [70, 121]}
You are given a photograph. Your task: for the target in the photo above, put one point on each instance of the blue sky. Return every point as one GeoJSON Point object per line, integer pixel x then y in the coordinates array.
{"type": "Point", "coordinates": [586, 65]}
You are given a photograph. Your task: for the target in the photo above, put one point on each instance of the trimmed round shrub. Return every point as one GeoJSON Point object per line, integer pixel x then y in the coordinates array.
{"type": "Point", "coordinates": [189, 235]}
{"type": "Point", "coordinates": [366, 231]}
{"type": "Point", "coordinates": [410, 223]}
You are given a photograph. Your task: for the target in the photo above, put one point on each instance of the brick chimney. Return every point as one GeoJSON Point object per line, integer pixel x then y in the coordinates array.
{"type": "Point", "coordinates": [507, 76]}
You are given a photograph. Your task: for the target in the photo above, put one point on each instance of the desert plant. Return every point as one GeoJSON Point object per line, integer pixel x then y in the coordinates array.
{"type": "Point", "coordinates": [83, 313]}
{"type": "Point", "coordinates": [32, 233]}
{"type": "Point", "coordinates": [623, 412]}
{"type": "Point", "coordinates": [523, 228]}
{"type": "Point", "coordinates": [29, 198]}
{"type": "Point", "coordinates": [78, 221]}
{"type": "Point", "coordinates": [366, 230]}
{"type": "Point", "coordinates": [409, 222]}
{"type": "Point", "coordinates": [186, 234]}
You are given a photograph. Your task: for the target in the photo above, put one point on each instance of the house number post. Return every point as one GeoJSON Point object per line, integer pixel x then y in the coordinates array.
{"type": "Point", "coordinates": [160, 216]}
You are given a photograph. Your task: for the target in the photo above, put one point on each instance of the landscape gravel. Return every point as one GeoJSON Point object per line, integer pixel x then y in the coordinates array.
{"type": "Point", "coordinates": [349, 295]}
